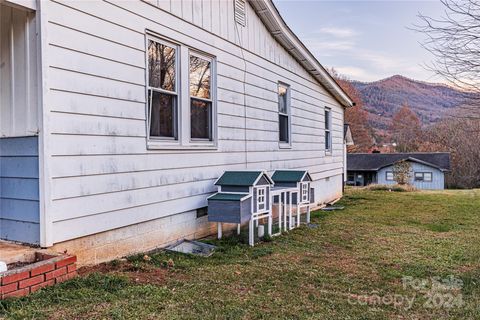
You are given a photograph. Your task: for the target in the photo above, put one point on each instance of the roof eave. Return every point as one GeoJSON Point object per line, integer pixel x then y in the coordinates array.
{"type": "Point", "coordinates": [273, 21]}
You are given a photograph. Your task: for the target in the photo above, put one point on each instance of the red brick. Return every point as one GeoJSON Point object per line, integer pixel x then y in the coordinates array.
{"type": "Point", "coordinates": [15, 277]}
{"type": "Point", "coordinates": [42, 285]}
{"type": "Point", "coordinates": [32, 281]}
{"type": "Point", "coordinates": [8, 288]}
{"type": "Point", "coordinates": [66, 261]}
{"type": "Point", "coordinates": [42, 269]}
{"type": "Point", "coordinates": [66, 277]}
{"type": "Point", "coordinates": [18, 293]}
{"type": "Point", "coordinates": [55, 273]}
{"type": "Point", "coordinates": [71, 268]}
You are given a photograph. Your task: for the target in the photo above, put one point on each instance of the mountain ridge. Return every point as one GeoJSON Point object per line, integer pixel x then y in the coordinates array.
{"type": "Point", "coordinates": [430, 101]}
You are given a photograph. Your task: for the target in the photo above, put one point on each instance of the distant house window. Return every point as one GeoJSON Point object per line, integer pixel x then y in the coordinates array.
{"type": "Point", "coordinates": [284, 113]}
{"type": "Point", "coordinates": [200, 97]}
{"type": "Point", "coordinates": [423, 176]}
{"type": "Point", "coordinates": [162, 90]}
{"type": "Point", "coordinates": [350, 177]}
{"type": "Point", "coordinates": [201, 212]}
{"type": "Point", "coordinates": [261, 199]}
{"type": "Point", "coordinates": [427, 176]}
{"type": "Point", "coordinates": [389, 176]}
{"type": "Point", "coordinates": [328, 130]}
{"type": "Point", "coordinates": [304, 190]}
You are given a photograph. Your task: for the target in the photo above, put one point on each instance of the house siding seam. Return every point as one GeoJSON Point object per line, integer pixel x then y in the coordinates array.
{"type": "Point", "coordinates": [103, 177]}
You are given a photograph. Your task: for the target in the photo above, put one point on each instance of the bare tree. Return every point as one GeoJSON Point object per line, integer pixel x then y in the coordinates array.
{"type": "Point", "coordinates": [402, 172]}
{"type": "Point", "coordinates": [406, 130]}
{"type": "Point", "coordinates": [454, 41]}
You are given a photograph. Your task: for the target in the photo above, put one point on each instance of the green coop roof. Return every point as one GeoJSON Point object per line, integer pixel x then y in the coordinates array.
{"type": "Point", "coordinates": [240, 178]}
{"type": "Point", "coordinates": [228, 196]}
{"type": "Point", "coordinates": [289, 175]}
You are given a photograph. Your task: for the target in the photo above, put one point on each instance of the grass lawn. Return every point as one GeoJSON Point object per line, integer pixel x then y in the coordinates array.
{"type": "Point", "coordinates": [350, 267]}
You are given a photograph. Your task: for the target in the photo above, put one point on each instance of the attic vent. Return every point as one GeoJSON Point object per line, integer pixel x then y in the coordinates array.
{"type": "Point", "coordinates": [240, 15]}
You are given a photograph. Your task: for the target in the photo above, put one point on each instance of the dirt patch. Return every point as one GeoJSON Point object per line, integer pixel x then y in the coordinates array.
{"type": "Point", "coordinates": [145, 274]}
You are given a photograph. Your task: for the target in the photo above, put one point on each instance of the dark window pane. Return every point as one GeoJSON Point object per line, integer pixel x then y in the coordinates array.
{"type": "Point", "coordinates": [327, 140]}
{"type": "Point", "coordinates": [327, 119]}
{"type": "Point", "coordinates": [201, 119]}
{"type": "Point", "coordinates": [283, 123]}
{"type": "Point", "coordinates": [161, 66]}
{"type": "Point", "coordinates": [282, 99]}
{"type": "Point", "coordinates": [162, 115]}
{"type": "Point", "coordinates": [200, 75]}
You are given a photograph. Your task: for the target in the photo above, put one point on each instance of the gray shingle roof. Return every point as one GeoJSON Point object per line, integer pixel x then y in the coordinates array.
{"type": "Point", "coordinates": [288, 175]}
{"type": "Point", "coordinates": [238, 178]}
{"type": "Point", "coordinates": [228, 196]}
{"type": "Point", "coordinates": [376, 161]}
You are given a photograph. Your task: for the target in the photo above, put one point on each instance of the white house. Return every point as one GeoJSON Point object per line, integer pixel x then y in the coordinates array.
{"type": "Point", "coordinates": [117, 117]}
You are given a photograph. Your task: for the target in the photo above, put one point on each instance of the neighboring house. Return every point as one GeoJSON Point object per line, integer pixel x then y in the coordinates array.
{"type": "Point", "coordinates": [117, 117]}
{"type": "Point", "coordinates": [427, 169]}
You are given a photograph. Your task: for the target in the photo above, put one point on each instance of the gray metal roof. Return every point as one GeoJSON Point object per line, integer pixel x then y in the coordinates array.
{"type": "Point", "coordinates": [228, 196]}
{"type": "Point", "coordinates": [240, 178]}
{"type": "Point", "coordinates": [288, 175]}
{"type": "Point", "coordinates": [376, 161]}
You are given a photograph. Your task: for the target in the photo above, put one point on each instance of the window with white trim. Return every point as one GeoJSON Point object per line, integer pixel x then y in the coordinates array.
{"type": "Point", "coordinates": [261, 199]}
{"type": "Point", "coordinates": [201, 103]}
{"type": "Point", "coordinates": [423, 176]}
{"type": "Point", "coordinates": [304, 190]}
{"type": "Point", "coordinates": [328, 129]}
{"type": "Point", "coordinates": [389, 176]}
{"type": "Point", "coordinates": [284, 113]}
{"type": "Point", "coordinates": [181, 96]}
{"type": "Point", "coordinates": [162, 90]}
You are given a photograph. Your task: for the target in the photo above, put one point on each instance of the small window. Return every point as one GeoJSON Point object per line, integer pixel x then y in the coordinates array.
{"type": "Point", "coordinates": [389, 176]}
{"type": "Point", "coordinates": [304, 190]}
{"type": "Point", "coordinates": [200, 98]}
{"type": "Point", "coordinates": [201, 212]}
{"type": "Point", "coordinates": [284, 113]}
{"type": "Point", "coordinates": [350, 177]}
{"type": "Point", "coordinates": [427, 177]}
{"type": "Point", "coordinates": [423, 176]}
{"type": "Point", "coordinates": [261, 199]}
{"type": "Point", "coordinates": [418, 176]}
{"type": "Point", "coordinates": [328, 130]}
{"type": "Point", "coordinates": [162, 90]}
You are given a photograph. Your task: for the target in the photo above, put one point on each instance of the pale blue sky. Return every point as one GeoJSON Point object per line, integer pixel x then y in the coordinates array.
{"type": "Point", "coordinates": [365, 40]}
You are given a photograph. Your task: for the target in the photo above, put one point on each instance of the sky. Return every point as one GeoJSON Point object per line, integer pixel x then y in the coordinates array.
{"type": "Point", "coordinates": [364, 40]}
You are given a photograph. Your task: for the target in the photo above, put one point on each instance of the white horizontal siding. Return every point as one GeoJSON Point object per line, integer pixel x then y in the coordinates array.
{"type": "Point", "coordinates": [102, 175]}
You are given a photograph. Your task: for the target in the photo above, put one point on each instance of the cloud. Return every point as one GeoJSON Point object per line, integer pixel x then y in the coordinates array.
{"type": "Point", "coordinates": [338, 32]}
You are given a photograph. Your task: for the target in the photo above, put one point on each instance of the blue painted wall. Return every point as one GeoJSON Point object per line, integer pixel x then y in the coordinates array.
{"type": "Point", "coordinates": [437, 183]}
{"type": "Point", "coordinates": [19, 190]}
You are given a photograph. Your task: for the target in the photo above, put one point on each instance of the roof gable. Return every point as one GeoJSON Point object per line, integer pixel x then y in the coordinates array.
{"type": "Point", "coordinates": [273, 21]}
{"type": "Point", "coordinates": [280, 176]}
{"type": "Point", "coordinates": [242, 178]}
{"type": "Point", "coordinates": [376, 161]}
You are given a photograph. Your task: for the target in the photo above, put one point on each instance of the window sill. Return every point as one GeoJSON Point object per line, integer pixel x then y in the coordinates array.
{"type": "Point", "coordinates": [328, 153]}
{"type": "Point", "coordinates": [165, 145]}
{"type": "Point", "coordinates": [283, 145]}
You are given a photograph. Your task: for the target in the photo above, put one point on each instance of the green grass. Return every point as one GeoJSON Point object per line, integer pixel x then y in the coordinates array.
{"type": "Point", "coordinates": [365, 249]}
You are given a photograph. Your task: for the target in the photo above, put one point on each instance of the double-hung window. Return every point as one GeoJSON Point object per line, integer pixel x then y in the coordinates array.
{"type": "Point", "coordinates": [389, 176]}
{"type": "Point", "coordinates": [201, 103]}
{"type": "Point", "coordinates": [162, 90]}
{"type": "Point", "coordinates": [284, 113]}
{"type": "Point", "coordinates": [328, 130]}
{"type": "Point", "coordinates": [261, 199]}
